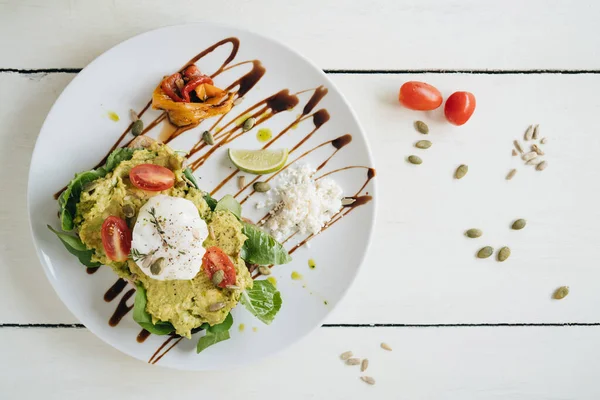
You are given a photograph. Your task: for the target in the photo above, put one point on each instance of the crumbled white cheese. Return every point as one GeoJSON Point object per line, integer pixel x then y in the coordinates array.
{"type": "Point", "coordinates": [299, 203]}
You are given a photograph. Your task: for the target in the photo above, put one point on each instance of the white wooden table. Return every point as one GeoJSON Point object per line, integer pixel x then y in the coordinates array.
{"type": "Point", "coordinates": [461, 328]}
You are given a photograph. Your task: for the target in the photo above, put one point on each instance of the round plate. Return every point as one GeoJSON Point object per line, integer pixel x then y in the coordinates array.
{"type": "Point", "coordinates": [78, 132]}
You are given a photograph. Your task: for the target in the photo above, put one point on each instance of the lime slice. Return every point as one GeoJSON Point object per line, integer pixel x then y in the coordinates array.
{"type": "Point", "coordinates": [258, 162]}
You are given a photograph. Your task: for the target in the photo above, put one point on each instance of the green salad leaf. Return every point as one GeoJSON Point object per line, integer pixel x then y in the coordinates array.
{"type": "Point", "coordinates": [190, 176]}
{"type": "Point", "coordinates": [214, 334]}
{"type": "Point", "coordinates": [70, 197]}
{"type": "Point", "coordinates": [211, 338]}
{"type": "Point", "coordinates": [230, 204]}
{"type": "Point", "coordinates": [263, 301]}
{"type": "Point", "coordinates": [212, 203]}
{"type": "Point", "coordinates": [261, 248]}
{"type": "Point", "coordinates": [76, 247]}
{"type": "Point", "coordinates": [142, 317]}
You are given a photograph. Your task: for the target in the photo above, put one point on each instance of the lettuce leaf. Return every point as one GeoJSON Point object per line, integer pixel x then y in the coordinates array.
{"type": "Point", "coordinates": [263, 301]}
{"type": "Point", "coordinates": [230, 204]}
{"type": "Point", "coordinates": [76, 247]}
{"type": "Point", "coordinates": [214, 334]}
{"type": "Point", "coordinates": [142, 317]}
{"type": "Point", "coordinates": [261, 248]}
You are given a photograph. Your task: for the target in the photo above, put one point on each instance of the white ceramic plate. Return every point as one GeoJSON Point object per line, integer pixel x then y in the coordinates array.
{"type": "Point", "coordinates": [78, 133]}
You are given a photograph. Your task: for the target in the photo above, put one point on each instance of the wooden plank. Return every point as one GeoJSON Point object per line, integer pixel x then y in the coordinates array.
{"type": "Point", "coordinates": [493, 363]}
{"type": "Point", "coordinates": [427, 34]}
{"type": "Point", "coordinates": [420, 269]}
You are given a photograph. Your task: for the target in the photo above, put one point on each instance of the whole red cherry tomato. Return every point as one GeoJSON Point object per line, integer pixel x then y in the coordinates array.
{"type": "Point", "coordinates": [419, 96]}
{"type": "Point", "coordinates": [459, 107]}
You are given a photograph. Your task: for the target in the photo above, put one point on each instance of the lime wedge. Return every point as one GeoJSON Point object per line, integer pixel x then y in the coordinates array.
{"type": "Point", "coordinates": [258, 162]}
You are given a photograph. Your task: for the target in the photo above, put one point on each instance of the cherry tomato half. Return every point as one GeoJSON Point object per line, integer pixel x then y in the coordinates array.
{"type": "Point", "coordinates": [116, 238]}
{"type": "Point", "coordinates": [153, 178]}
{"type": "Point", "coordinates": [215, 260]}
{"type": "Point", "coordinates": [459, 107]}
{"type": "Point", "coordinates": [419, 96]}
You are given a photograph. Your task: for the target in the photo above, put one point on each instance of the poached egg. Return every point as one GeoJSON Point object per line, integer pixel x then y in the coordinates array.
{"type": "Point", "coordinates": [167, 238]}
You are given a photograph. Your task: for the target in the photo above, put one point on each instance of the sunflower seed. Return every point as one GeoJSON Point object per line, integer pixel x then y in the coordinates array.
{"type": "Point", "coordinates": [211, 232]}
{"type": "Point", "coordinates": [485, 252]}
{"type": "Point", "coordinates": [503, 254]}
{"type": "Point", "coordinates": [233, 287]}
{"type": "Point", "coordinates": [157, 266]}
{"type": "Point", "coordinates": [561, 292]}
{"type": "Point", "coordinates": [368, 380]}
{"type": "Point", "coordinates": [208, 138]}
{"type": "Point", "coordinates": [534, 161]}
{"type": "Point", "coordinates": [264, 270]}
{"type": "Point", "coordinates": [511, 173]}
{"type": "Point", "coordinates": [519, 224]}
{"type": "Point", "coordinates": [261, 187]}
{"type": "Point", "coordinates": [386, 346]}
{"type": "Point", "coordinates": [180, 83]}
{"type": "Point", "coordinates": [543, 140]}
{"type": "Point", "coordinates": [421, 127]}
{"type": "Point", "coordinates": [414, 160]}
{"type": "Point", "coordinates": [346, 355]}
{"type": "Point", "coordinates": [529, 156]}
{"type": "Point", "coordinates": [474, 233]}
{"type": "Point", "coordinates": [241, 182]}
{"type": "Point", "coordinates": [364, 365]}
{"type": "Point", "coordinates": [217, 277]}
{"type": "Point", "coordinates": [536, 131]}
{"type": "Point", "coordinates": [535, 147]}
{"type": "Point", "coordinates": [461, 171]}
{"type": "Point", "coordinates": [518, 146]}
{"type": "Point", "coordinates": [133, 115]}
{"type": "Point", "coordinates": [137, 128]}
{"type": "Point", "coordinates": [347, 201]}
{"type": "Point", "coordinates": [423, 144]}
{"type": "Point", "coordinates": [514, 152]}
{"type": "Point", "coordinates": [238, 101]}
{"type": "Point", "coordinates": [529, 133]}
{"type": "Point", "coordinates": [249, 124]}
{"type": "Point", "coordinates": [542, 166]}
{"type": "Point", "coordinates": [353, 361]}
{"type": "Point", "coordinates": [216, 306]}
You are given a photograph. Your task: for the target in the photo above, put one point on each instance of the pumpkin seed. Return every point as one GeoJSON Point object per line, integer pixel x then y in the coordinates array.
{"type": "Point", "coordinates": [137, 128]}
{"type": "Point", "coordinates": [519, 224]}
{"type": "Point", "coordinates": [529, 156]}
{"type": "Point", "coordinates": [364, 365]}
{"type": "Point", "coordinates": [157, 266]}
{"type": "Point", "coordinates": [561, 293]}
{"type": "Point", "coordinates": [353, 361]}
{"type": "Point", "coordinates": [264, 270]}
{"type": "Point", "coordinates": [368, 380]}
{"type": "Point", "coordinates": [133, 115]}
{"type": "Point", "coordinates": [128, 211]}
{"type": "Point", "coordinates": [346, 355]}
{"type": "Point", "coordinates": [180, 185]}
{"type": "Point", "coordinates": [529, 133]}
{"type": "Point", "coordinates": [216, 306]}
{"type": "Point", "coordinates": [514, 152]}
{"type": "Point", "coordinates": [543, 140]}
{"type": "Point", "coordinates": [511, 173]}
{"type": "Point", "coordinates": [474, 233]}
{"type": "Point", "coordinates": [347, 201]}
{"type": "Point", "coordinates": [518, 146]}
{"type": "Point", "coordinates": [218, 277]}
{"type": "Point", "coordinates": [534, 147]}
{"type": "Point", "coordinates": [536, 131]}
{"type": "Point", "coordinates": [414, 160]}
{"type": "Point", "coordinates": [130, 222]}
{"type": "Point", "coordinates": [249, 124]}
{"type": "Point", "coordinates": [261, 187]}
{"type": "Point", "coordinates": [421, 127]}
{"type": "Point", "coordinates": [241, 182]}
{"type": "Point", "coordinates": [386, 346]}
{"type": "Point", "coordinates": [503, 254]}
{"type": "Point", "coordinates": [208, 138]}
{"type": "Point", "coordinates": [485, 252]}
{"type": "Point", "coordinates": [461, 171]}
{"type": "Point", "coordinates": [423, 144]}
{"type": "Point", "coordinates": [542, 166]}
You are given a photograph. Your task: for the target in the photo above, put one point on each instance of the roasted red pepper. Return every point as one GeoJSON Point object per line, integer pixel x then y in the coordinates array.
{"type": "Point", "coordinates": [169, 86]}
{"type": "Point", "coordinates": [194, 79]}
{"type": "Point", "coordinates": [193, 84]}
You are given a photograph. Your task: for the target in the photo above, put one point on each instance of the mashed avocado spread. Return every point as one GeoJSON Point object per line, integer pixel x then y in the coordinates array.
{"type": "Point", "coordinates": [183, 303]}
